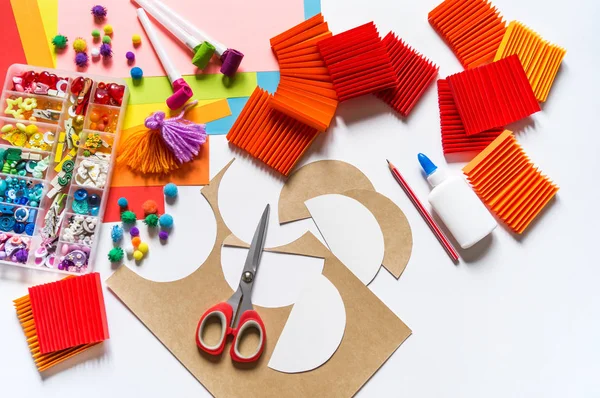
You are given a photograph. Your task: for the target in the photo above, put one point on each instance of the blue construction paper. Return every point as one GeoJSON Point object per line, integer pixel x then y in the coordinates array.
{"type": "Point", "coordinates": [268, 81]}
{"type": "Point", "coordinates": [311, 8]}
{"type": "Point", "coordinates": [222, 126]}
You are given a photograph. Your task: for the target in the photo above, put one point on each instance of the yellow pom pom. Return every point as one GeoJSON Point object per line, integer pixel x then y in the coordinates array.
{"type": "Point", "coordinates": [79, 45]}
{"type": "Point", "coordinates": [31, 129]}
{"type": "Point", "coordinates": [108, 30]}
{"type": "Point", "coordinates": [143, 247]}
{"type": "Point", "coordinates": [138, 255]}
{"type": "Point", "coordinates": [136, 39]}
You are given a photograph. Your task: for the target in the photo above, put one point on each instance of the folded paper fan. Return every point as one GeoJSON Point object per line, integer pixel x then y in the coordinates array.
{"type": "Point", "coordinates": [358, 62]}
{"type": "Point", "coordinates": [415, 73]}
{"type": "Point", "coordinates": [270, 136]}
{"type": "Point", "coordinates": [508, 183]}
{"type": "Point", "coordinates": [305, 90]}
{"type": "Point", "coordinates": [472, 28]}
{"type": "Point", "coordinates": [492, 95]}
{"type": "Point", "coordinates": [454, 137]}
{"type": "Point", "coordinates": [540, 58]}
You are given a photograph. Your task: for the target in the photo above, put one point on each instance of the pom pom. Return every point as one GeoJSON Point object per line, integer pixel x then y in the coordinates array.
{"type": "Point", "coordinates": [122, 202]}
{"type": "Point", "coordinates": [150, 207]}
{"type": "Point", "coordinates": [96, 34]}
{"type": "Point", "coordinates": [21, 256]}
{"type": "Point", "coordinates": [129, 250]}
{"type": "Point", "coordinates": [170, 190]}
{"type": "Point", "coordinates": [136, 241]}
{"type": "Point", "coordinates": [108, 30]}
{"type": "Point", "coordinates": [135, 231]}
{"type": "Point", "coordinates": [116, 233]}
{"type": "Point", "coordinates": [138, 255]}
{"type": "Point", "coordinates": [106, 50]}
{"type": "Point", "coordinates": [99, 12]}
{"type": "Point", "coordinates": [137, 73]}
{"type": "Point", "coordinates": [79, 45]}
{"type": "Point", "coordinates": [143, 247]}
{"type": "Point", "coordinates": [136, 40]}
{"type": "Point", "coordinates": [60, 41]}
{"type": "Point", "coordinates": [115, 255]}
{"type": "Point", "coordinates": [106, 40]}
{"type": "Point", "coordinates": [166, 221]}
{"type": "Point", "coordinates": [95, 52]}
{"type": "Point", "coordinates": [128, 217]}
{"type": "Point", "coordinates": [151, 220]}
{"type": "Point", "coordinates": [81, 60]}
{"type": "Point", "coordinates": [130, 56]}
{"type": "Point", "coordinates": [163, 235]}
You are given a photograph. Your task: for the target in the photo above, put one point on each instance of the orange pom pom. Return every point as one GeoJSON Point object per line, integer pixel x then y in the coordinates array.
{"type": "Point", "coordinates": [135, 241]}
{"type": "Point", "coordinates": [150, 207]}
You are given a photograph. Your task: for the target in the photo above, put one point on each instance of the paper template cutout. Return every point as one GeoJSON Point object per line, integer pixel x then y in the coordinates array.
{"type": "Point", "coordinates": [472, 28]}
{"type": "Point", "coordinates": [358, 62]}
{"type": "Point", "coordinates": [351, 232]}
{"type": "Point", "coordinates": [540, 58]}
{"type": "Point", "coordinates": [314, 329]}
{"type": "Point", "coordinates": [315, 179]}
{"type": "Point", "coordinates": [235, 33]}
{"type": "Point", "coordinates": [11, 39]}
{"type": "Point", "coordinates": [31, 31]}
{"type": "Point", "coordinates": [414, 72]}
{"type": "Point", "coordinates": [49, 13]}
{"type": "Point", "coordinates": [394, 225]}
{"type": "Point", "coordinates": [282, 277]}
{"type": "Point", "coordinates": [493, 95]}
{"type": "Point", "coordinates": [454, 136]}
{"type": "Point", "coordinates": [171, 312]}
{"type": "Point", "coordinates": [136, 196]}
{"type": "Point", "coordinates": [305, 91]}
{"type": "Point", "coordinates": [508, 182]}
{"type": "Point", "coordinates": [270, 136]}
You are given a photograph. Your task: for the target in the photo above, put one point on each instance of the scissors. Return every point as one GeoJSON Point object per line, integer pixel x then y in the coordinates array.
{"type": "Point", "coordinates": [236, 314]}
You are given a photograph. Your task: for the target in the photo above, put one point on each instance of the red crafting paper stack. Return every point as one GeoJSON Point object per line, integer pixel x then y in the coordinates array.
{"type": "Point", "coordinates": [358, 62]}
{"type": "Point", "coordinates": [305, 91]}
{"type": "Point", "coordinates": [270, 136]}
{"type": "Point", "coordinates": [415, 73]}
{"type": "Point", "coordinates": [493, 95]}
{"type": "Point", "coordinates": [69, 313]}
{"type": "Point", "coordinates": [454, 137]}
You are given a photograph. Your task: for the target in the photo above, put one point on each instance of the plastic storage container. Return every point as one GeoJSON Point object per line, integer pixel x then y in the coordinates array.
{"type": "Point", "coordinates": [59, 132]}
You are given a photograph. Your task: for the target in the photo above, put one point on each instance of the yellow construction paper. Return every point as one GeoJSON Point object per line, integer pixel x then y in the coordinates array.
{"type": "Point", "coordinates": [136, 114]}
{"type": "Point", "coordinates": [31, 30]}
{"type": "Point", "coordinates": [49, 13]}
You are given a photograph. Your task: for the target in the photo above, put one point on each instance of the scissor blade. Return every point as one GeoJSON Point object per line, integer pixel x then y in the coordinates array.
{"type": "Point", "coordinates": [258, 243]}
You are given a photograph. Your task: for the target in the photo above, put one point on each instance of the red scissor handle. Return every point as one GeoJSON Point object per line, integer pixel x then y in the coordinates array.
{"type": "Point", "coordinates": [248, 320]}
{"type": "Point", "coordinates": [223, 312]}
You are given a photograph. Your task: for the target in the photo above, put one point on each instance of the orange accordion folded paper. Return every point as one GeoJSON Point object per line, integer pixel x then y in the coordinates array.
{"type": "Point", "coordinates": [472, 28]}
{"type": "Point", "coordinates": [540, 58]}
{"type": "Point", "coordinates": [508, 183]}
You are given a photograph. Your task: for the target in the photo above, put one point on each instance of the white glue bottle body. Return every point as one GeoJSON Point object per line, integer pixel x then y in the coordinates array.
{"type": "Point", "coordinates": [465, 216]}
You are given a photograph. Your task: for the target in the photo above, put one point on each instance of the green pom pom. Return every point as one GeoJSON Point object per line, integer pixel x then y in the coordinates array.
{"type": "Point", "coordinates": [96, 34]}
{"type": "Point", "coordinates": [60, 41]}
{"type": "Point", "coordinates": [115, 254]}
{"type": "Point", "coordinates": [86, 153]}
{"type": "Point", "coordinates": [151, 220]}
{"type": "Point", "coordinates": [128, 217]}
{"type": "Point", "coordinates": [106, 40]}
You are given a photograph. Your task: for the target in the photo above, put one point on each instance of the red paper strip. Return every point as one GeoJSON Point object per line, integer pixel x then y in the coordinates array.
{"type": "Point", "coordinates": [493, 95]}
{"type": "Point", "coordinates": [136, 196]}
{"type": "Point", "coordinates": [12, 48]}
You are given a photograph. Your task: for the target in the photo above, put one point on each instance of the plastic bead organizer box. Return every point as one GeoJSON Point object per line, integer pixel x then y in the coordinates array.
{"type": "Point", "coordinates": [58, 136]}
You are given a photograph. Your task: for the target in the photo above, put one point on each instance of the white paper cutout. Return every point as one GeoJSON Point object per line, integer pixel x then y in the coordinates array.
{"type": "Point", "coordinates": [351, 232]}
{"type": "Point", "coordinates": [280, 277]}
{"type": "Point", "coordinates": [313, 331]}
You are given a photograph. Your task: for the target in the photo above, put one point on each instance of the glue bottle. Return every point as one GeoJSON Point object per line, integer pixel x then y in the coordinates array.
{"type": "Point", "coordinates": [457, 205]}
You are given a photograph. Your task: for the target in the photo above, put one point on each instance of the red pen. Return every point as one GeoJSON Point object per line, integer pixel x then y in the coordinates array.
{"type": "Point", "coordinates": [424, 213]}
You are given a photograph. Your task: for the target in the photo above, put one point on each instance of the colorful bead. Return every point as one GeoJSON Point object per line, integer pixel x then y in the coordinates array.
{"type": "Point", "coordinates": [134, 231]}
{"type": "Point", "coordinates": [166, 221]}
{"type": "Point", "coordinates": [122, 202]}
{"type": "Point", "coordinates": [115, 255]}
{"type": "Point", "coordinates": [138, 255]}
{"type": "Point", "coordinates": [60, 41]}
{"type": "Point", "coordinates": [170, 190]}
{"type": "Point", "coordinates": [128, 217]}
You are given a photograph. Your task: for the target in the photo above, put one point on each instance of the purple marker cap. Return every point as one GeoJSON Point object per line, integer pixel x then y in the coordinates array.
{"type": "Point", "coordinates": [231, 60]}
{"type": "Point", "coordinates": [181, 94]}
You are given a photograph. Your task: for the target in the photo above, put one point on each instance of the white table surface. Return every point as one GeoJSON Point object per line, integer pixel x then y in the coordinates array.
{"type": "Point", "coordinates": [518, 317]}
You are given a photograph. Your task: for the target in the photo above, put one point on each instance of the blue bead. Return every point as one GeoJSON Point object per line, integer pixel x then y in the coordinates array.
{"type": "Point", "coordinates": [29, 228]}
{"type": "Point", "coordinates": [19, 227]}
{"type": "Point", "coordinates": [3, 186]}
{"type": "Point", "coordinates": [80, 194]}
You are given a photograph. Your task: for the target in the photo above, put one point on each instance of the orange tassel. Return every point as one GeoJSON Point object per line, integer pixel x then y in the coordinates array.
{"type": "Point", "coordinates": [145, 151]}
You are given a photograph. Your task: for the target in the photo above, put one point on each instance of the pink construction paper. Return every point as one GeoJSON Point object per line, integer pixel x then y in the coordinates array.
{"type": "Point", "coordinates": [246, 25]}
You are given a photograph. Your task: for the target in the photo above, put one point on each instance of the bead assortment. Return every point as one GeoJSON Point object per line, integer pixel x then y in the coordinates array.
{"type": "Point", "coordinates": [27, 136]}
{"type": "Point", "coordinates": [80, 229]}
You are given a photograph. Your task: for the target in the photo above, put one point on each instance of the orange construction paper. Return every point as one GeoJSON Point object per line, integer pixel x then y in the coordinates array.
{"type": "Point", "coordinates": [31, 29]}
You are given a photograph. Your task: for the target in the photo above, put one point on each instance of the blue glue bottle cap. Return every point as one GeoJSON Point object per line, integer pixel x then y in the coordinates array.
{"type": "Point", "coordinates": [428, 166]}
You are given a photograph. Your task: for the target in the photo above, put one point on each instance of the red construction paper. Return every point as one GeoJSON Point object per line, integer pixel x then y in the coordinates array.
{"type": "Point", "coordinates": [136, 196]}
{"type": "Point", "coordinates": [493, 95]}
{"type": "Point", "coordinates": [12, 49]}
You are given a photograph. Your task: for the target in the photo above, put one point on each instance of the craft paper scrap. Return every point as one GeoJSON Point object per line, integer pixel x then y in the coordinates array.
{"type": "Point", "coordinates": [351, 232]}
{"type": "Point", "coordinates": [205, 87]}
{"type": "Point", "coordinates": [302, 345]}
{"type": "Point", "coordinates": [49, 12]}
{"type": "Point", "coordinates": [472, 28]}
{"type": "Point", "coordinates": [11, 39]}
{"type": "Point", "coordinates": [136, 196]}
{"type": "Point", "coordinates": [240, 32]}
{"type": "Point", "coordinates": [31, 30]}
{"type": "Point", "coordinates": [540, 58]}
{"type": "Point", "coordinates": [223, 125]}
{"type": "Point", "coordinates": [493, 95]}
{"type": "Point", "coordinates": [204, 112]}
{"type": "Point", "coordinates": [509, 183]}
{"type": "Point", "coordinates": [454, 137]}
{"type": "Point", "coordinates": [311, 8]}
{"type": "Point", "coordinates": [268, 81]}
